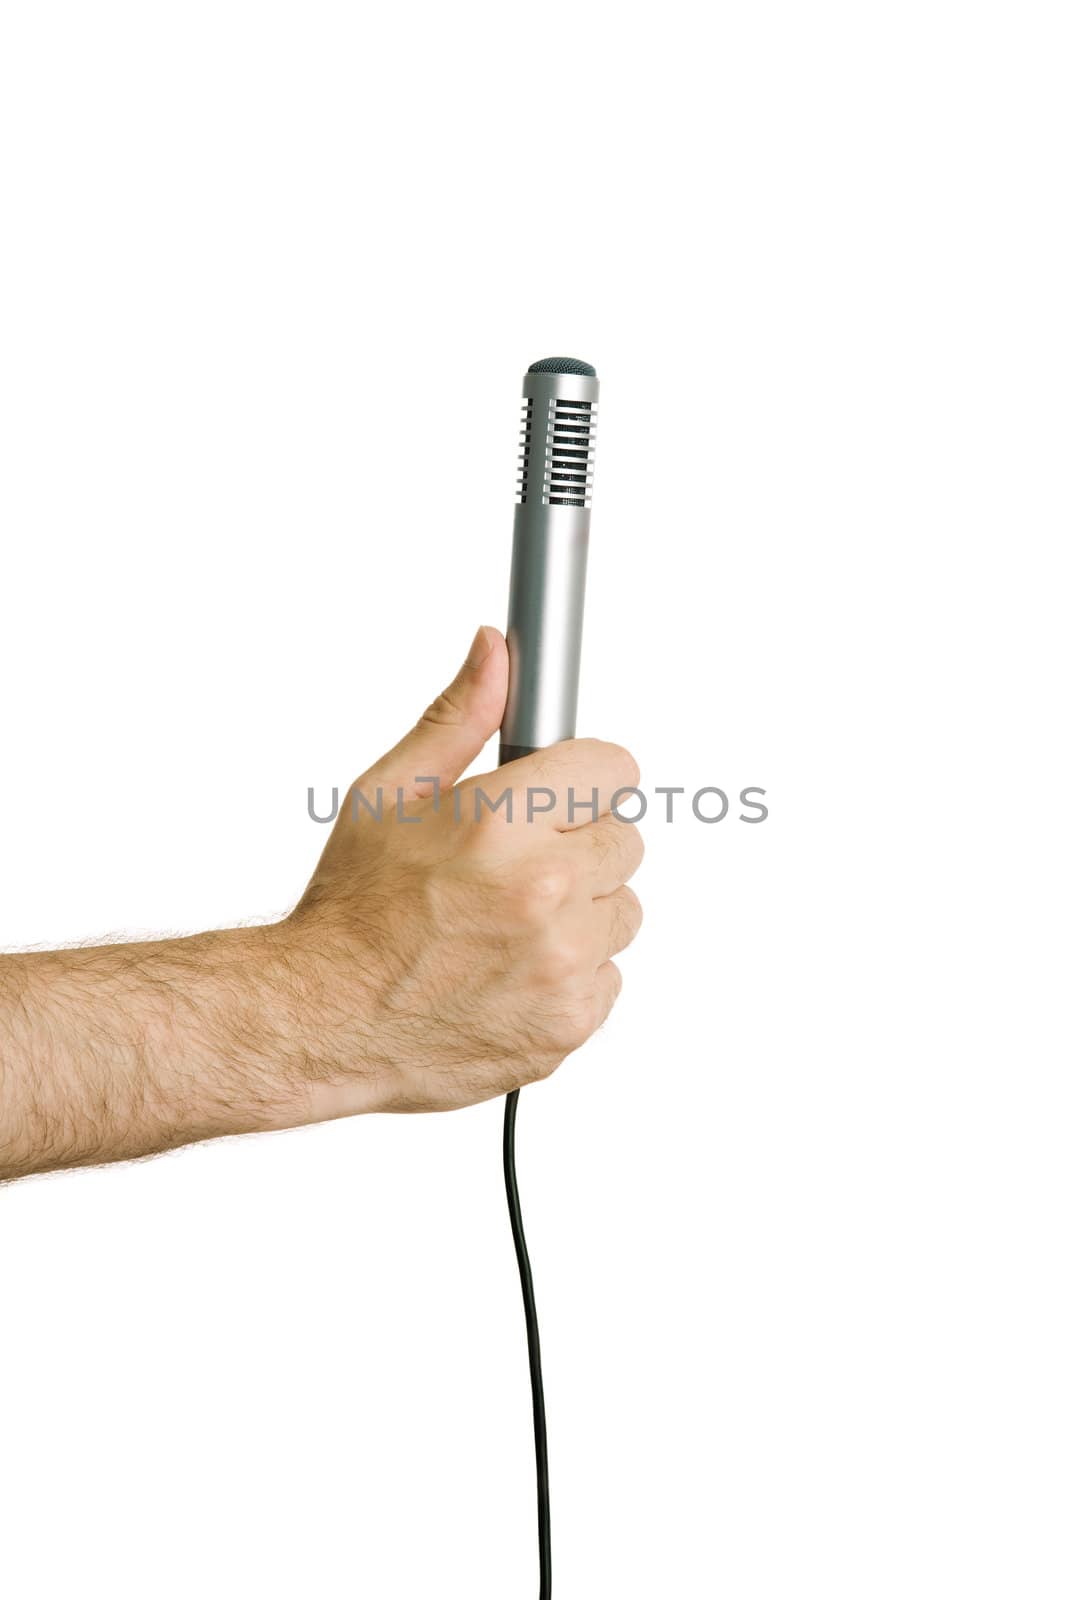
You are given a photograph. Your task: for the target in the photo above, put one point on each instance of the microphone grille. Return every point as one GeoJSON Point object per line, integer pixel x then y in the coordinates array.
{"type": "Point", "coordinates": [525, 441]}
{"type": "Point", "coordinates": [569, 443]}
{"type": "Point", "coordinates": [569, 453]}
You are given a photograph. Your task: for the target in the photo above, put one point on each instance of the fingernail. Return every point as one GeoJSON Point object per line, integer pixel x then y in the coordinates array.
{"type": "Point", "coordinates": [480, 648]}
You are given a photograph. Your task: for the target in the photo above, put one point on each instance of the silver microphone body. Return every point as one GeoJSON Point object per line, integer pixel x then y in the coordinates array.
{"type": "Point", "coordinates": [550, 545]}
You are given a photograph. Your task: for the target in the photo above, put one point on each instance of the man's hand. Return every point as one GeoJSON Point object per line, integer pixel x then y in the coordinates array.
{"type": "Point", "coordinates": [464, 942]}
{"type": "Point", "coordinates": [455, 942]}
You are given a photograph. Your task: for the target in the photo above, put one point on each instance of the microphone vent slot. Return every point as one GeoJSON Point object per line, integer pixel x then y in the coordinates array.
{"type": "Point", "coordinates": [525, 440]}
{"type": "Point", "coordinates": [569, 451]}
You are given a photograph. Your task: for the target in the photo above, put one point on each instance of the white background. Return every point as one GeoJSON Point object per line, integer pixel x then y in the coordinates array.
{"type": "Point", "coordinates": [270, 277]}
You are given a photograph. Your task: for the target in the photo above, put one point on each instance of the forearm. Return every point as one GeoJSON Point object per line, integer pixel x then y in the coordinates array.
{"type": "Point", "coordinates": [122, 1050]}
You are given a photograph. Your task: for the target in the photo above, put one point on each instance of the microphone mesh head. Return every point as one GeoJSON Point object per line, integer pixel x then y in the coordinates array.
{"type": "Point", "coordinates": [564, 364]}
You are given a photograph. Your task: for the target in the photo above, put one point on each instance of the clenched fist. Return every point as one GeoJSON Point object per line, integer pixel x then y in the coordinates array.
{"type": "Point", "coordinates": [463, 933]}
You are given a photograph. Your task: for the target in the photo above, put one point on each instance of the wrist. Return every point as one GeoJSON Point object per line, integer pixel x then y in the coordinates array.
{"type": "Point", "coordinates": [316, 988]}
{"type": "Point", "coordinates": [244, 1022]}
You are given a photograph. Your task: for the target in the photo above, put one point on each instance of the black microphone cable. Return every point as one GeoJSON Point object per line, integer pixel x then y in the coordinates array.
{"type": "Point", "coordinates": [533, 1344]}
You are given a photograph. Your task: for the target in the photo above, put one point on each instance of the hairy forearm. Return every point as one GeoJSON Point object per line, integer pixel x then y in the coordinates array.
{"type": "Point", "coordinates": [123, 1050]}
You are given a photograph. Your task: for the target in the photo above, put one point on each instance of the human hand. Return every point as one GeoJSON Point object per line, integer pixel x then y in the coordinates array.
{"type": "Point", "coordinates": [443, 952]}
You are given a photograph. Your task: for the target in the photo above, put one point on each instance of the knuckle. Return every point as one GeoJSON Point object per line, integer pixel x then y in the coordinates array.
{"type": "Point", "coordinates": [632, 912]}
{"type": "Point", "coordinates": [601, 755]}
{"type": "Point", "coordinates": [581, 1013]}
{"type": "Point", "coordinates": [445, 710]}
{"type": "Point", "coordinates": [560, 962]}
{"type": "Point", "coordinates": [621, 845]}
{"type": "Point", "coordinates": [571, 1030]}
{"type": "Point", "coordinates": [542, 890]}
{"type": "Point", "coordinates": [588, 1018]}
{"type": "Point", "coordinates": [624, 765]}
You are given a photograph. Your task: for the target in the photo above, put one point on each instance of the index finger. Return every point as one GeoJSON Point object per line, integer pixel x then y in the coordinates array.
{"type": "Point", "coordinates": [563, 786]}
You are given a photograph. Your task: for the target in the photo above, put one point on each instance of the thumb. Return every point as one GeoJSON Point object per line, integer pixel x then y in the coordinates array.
{"type": "Point", "coordinates": [451, 731]}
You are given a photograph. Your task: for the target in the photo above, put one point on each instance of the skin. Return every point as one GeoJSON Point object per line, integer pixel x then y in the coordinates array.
{"type": "Point", "coordinates": [431, 963]}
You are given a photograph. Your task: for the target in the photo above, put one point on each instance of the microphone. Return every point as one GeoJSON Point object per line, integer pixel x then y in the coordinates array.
{"type": "Point", "coordinates": [548, 559]}
{"type": "Point", "coordinates": [548, 553]}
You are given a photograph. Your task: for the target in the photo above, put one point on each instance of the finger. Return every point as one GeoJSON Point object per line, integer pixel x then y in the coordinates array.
{"type": "Point", "coordinates": [607, 987]}
{"type": "Point", "coordinates": [619, 917]}
{"type": "Point", "coordinates": [565, 785]}
{"type": "Point", "coordinates": [610, 852]}
{"type": "Point", "coordinates": [454, 728]}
